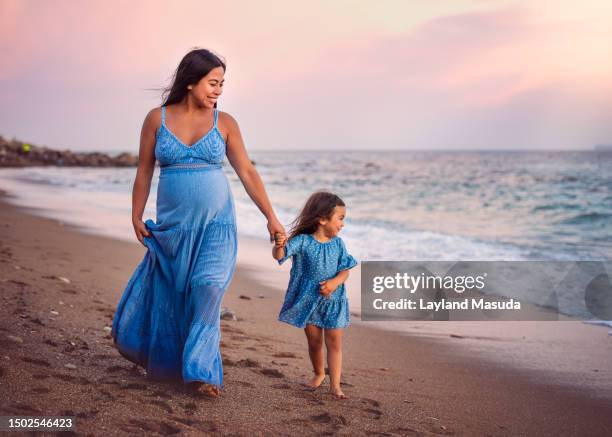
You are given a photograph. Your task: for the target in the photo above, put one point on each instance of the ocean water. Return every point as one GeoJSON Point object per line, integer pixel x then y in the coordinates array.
{"type": "Point", "coordinates": [409, 205]}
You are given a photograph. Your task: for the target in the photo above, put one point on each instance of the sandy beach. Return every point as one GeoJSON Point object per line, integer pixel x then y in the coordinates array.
{"type": "Point", "coordinates": [59, 291]}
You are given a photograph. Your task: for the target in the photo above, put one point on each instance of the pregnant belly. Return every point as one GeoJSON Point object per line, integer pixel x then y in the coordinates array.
{"type": "Point", "coordinates": [189, 197]}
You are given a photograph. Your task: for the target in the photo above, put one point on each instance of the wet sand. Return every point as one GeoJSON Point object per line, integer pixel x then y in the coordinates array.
{"type": "Point", "coordinates": [59, 288]}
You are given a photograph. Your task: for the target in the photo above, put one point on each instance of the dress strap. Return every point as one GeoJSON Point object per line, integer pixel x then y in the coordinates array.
{"type": "Point", "coordinates": [216, 116]}
{"type": "Point", "coordinates": [163, 115]}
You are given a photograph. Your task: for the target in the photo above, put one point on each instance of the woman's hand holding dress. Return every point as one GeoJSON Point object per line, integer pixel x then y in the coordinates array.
{"type": "Point", "coordinates": [141, 230]}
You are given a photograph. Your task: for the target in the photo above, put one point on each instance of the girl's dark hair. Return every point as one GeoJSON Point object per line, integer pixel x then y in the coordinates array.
{"type": "Point", "coordinates": [319, 205]}
{"type": "Point", "coordinates": [194, 66]}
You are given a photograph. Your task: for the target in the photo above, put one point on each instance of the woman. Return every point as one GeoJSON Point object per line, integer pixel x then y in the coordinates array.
{"type": "Point", "coordinates": [168, 318]}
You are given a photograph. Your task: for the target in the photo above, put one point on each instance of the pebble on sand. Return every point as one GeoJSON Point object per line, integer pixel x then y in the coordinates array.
{"type": "Point", "coordinates": [108, 328]}
{"type": "Point", "coordinates": [15, 339]}
{"type": "Point", "coordinates": [70, 366]}
{"type": "Point", "coordinates": [227, 314]}
{"type": "Point", "coordinates": [55, 313]}
{"type": "Point", "coordinates": [66, 280]}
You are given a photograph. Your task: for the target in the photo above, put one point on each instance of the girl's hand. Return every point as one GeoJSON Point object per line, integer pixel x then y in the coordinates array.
{"type": "Point", "coordinates": [275, 227]}
{"type": "Point", "coordinates": [141, 230]}
{"type": "Point", "coordinates": [327, 287]}
{"type": "Point", "coordinates": [279, 240]}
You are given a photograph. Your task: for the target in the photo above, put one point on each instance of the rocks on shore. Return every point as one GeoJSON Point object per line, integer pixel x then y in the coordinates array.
{"type": "Point", "coordinates": [15, 153]}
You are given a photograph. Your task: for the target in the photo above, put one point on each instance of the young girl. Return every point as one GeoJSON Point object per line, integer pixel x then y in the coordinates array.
{"type": "Point", "coordinates": [316, 298]}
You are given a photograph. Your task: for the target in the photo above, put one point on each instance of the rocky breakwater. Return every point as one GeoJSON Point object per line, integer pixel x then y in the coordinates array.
{"type": "Point", "coordinates": [15, 153]}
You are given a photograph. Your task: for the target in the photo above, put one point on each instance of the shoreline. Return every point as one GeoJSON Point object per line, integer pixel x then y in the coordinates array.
{"type": "Point", "coordinates": [397, 383]}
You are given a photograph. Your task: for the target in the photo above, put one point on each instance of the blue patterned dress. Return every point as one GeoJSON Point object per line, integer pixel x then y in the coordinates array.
{"type": "Point", "coordinates": [312, 263]}
{"type": "Point", "coordinates": [168, 317]}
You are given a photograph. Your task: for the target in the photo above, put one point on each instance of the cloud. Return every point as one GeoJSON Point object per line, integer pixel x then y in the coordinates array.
{"type": "Point", "coordinates": [324, 75]}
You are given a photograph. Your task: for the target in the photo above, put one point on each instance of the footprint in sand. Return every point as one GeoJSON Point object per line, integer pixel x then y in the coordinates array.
{"type": "Point", "coordinates": [135, 386]}
{"type": "Point", "coordinates": [50, 342]}
{"type": "Point", "coordinates": [36, 361]}
{"type": "Point", "coordinates": [372, 402]}
{"type": "Point", "coordinates": [109, 381]}
{"type": "Point", "coordinates": [335, 419]}
{"type": "Point", "coordinates": [40, 390]}
{"type": "Point", "coordinates": [87, 414]}
{"type": "Point", "coordinates": [377, 413]}
{"type": "Point", "coordinates": [243, 383]}
{"type": "Point", "coordinates": [163, 404]}
{"type": "Point", "coordinates": [285, 355]}
{"type": "Point", "coordinates": [247, 362]}
{"type": "Point", "coordinates": [81, 380]}
{"type": "Point", "coordinates": [115, 369]}
{"type": "Point", "coordinates": [191, 406]}
{"type": "Point", "coordinates": [228, 362]}
{"type": "Point", "coordinates": [108, 394]}
{"type": "Point", "coordinates": [272, 373]}
{"type": "Point", "coordinates": [227, 328]}
{"type": "Point", "coordinates": [103, 357]}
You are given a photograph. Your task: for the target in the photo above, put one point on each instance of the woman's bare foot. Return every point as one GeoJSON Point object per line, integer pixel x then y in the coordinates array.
{"type": "Point", "coordinates": [209, 390]}
{"type": "Point", "coordinates": [315, 382]}
{"type": "Point", "coordinates": [337, 392]}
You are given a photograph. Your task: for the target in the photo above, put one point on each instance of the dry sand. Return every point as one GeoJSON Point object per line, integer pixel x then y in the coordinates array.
{"type": "Point", "coordinates": [59, 289]}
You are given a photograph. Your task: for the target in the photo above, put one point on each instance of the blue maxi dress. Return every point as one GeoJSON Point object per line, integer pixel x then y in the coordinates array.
{"type": "Point", "coordinates": [168, 317]}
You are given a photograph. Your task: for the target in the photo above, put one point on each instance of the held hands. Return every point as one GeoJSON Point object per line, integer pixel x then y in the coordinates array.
{"type": "Point", "coordinates": [275, 227]}
{"type": "Point", "coordinates": [327, 287]}
{"type": "Point", "coordinates": [280, 240]}
{"type": "Point", "coordinates": [141, 230]}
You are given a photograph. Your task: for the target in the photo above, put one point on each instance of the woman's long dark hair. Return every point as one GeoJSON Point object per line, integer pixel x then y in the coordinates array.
{"type": "Point", "coordinates": [194, 66]}
{"type": "Point", "coordinates": [319, 205]}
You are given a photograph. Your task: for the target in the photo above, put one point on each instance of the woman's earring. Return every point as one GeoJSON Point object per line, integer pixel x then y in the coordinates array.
{"type": "Point", "coordinates": [189, 87]}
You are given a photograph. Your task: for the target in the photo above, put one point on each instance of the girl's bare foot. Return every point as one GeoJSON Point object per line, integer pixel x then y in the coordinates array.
{"type": "Point", "coordinates": [337, 392]}
{"type": "Point", "coordinates": [315, 382]}
{"type": "Point", "coordinates": [209, 390]}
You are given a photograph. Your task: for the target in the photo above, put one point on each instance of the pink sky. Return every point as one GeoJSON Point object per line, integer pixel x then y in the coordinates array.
{"type": "Point", "coordinates": [325, 75]}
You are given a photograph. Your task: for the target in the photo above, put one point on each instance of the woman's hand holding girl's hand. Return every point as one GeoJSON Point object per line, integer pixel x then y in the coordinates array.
{"type": "Point", "coordinates": [275, 227]}
{"type": "Point", "coordinates": [280, 240]}
{"type": "Point", "coordinates": [327, 287]}
{"type": "Point", "coordinates": [141, 230]}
